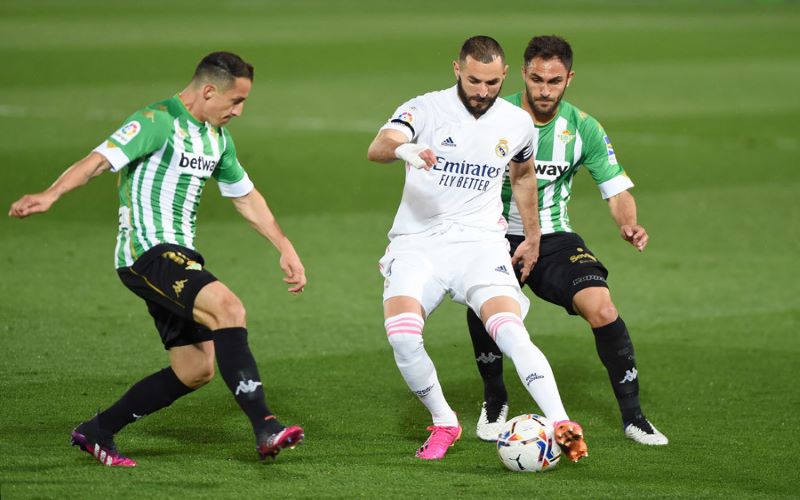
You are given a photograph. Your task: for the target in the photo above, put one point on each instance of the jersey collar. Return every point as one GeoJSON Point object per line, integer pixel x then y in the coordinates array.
{"type": "Point", "coordinates": [181, 108]}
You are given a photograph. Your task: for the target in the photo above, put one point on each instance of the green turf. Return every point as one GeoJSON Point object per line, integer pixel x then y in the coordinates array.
{"type": "Point", "coordinates": [700, 100]}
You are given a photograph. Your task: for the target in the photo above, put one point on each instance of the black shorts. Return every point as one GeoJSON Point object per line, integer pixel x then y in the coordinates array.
{"type": "Point", "coordinates": [168, 277]}
{"type": "Point", "coordinates": [565, 267]}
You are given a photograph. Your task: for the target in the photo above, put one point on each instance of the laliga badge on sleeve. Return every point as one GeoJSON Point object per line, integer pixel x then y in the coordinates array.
{"type": "Point", "coordinates": [127, 132]}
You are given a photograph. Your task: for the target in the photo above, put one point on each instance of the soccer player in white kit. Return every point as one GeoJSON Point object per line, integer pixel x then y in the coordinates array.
{"type": "Point", "coordinates": [448, 234]}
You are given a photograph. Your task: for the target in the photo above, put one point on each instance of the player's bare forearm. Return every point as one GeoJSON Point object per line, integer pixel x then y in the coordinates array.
{"type": "Point", "coordinates": [623, 210]}
{"type": "Point", "coordinates": [254, 209]}
{"type": "Point", "coordinates": [77, 175]}
{"type": "Point", "coordinates": [390, 145]}
{"type": "Point", "coordinates": [384, 145]}
{"type": "Point", "coordinates": [525, 191]}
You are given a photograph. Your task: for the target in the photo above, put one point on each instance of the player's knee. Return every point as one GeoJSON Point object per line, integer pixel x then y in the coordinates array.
{"type": "Point", "coordinates": [230, 312]}
{"type": "Point", "coordinates": [509, 332]}
{"type": "Point", "coordinates": [197, 375]}
{"type": "Point", "coordinates": [404, 332]}
{"type": "Point", "coordinates": [203, 375]}
{"type": "Point", "coordinates": [407, 347]}
{"type": "Point", "coordinates": [602, 315]}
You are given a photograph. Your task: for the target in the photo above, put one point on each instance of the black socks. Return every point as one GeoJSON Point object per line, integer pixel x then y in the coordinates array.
{"type": "Point", "coordinates": [616, 352]}
{"type": "Point", "coordinates": [149, 395]}
{"type": "Point", "coordinates": [490, 365]}
{"type": "Point", "coordinates": [238, 368]}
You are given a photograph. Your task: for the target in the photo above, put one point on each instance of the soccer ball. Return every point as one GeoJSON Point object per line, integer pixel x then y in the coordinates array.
{"type": "Point", "coordinates": [527, 444]}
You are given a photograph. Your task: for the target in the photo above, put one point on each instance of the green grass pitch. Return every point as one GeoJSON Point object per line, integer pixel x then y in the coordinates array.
{"type": "Point", "coordinates": [700, 100]}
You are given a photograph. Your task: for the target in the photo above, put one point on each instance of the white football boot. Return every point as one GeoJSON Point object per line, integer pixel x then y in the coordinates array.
{"type": "Point", "coordinates": [643, 432]}
{"type": "Point", "coordinates": [488, 431]}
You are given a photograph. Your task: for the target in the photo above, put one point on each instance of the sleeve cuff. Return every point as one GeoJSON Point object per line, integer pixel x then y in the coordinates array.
{"type": "Point", "coordinates": [401, 127]}
{"type": "Point", "coordinates": [113, 154]}
{"type": "Point", "coordinates": [237, 189]}
{"type": "Point", "coordinates": [615, 186]}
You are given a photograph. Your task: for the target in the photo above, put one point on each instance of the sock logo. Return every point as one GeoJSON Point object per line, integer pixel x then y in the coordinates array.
{"type": "Point", "coordinates": [424, 392]}
{"type": "Point", "coordinates": [246, 387]}
{"type": "Point", "coordinates": [533, 376]}
{"type": "Point", "coordinates": [630, 375]}
{"type": "Point", "coordinates": [136, 417]}
{"type": "Point", "coordinates": [488, 358]}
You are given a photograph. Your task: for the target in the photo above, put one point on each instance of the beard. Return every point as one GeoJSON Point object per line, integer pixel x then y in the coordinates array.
{"type": "Point", "coordinates": [545, 107]}
{"type": "Point", "coordinates": [477, 106]}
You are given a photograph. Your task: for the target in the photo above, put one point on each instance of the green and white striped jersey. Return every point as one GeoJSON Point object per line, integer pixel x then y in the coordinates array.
{"type": "Point", "coordinates": [570, 140]}
{"type": "Point", "coordinates": [164, 157]}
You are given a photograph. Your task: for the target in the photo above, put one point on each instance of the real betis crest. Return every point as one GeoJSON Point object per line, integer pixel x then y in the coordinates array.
{"type": "Point", "coordinates": [565, 136]}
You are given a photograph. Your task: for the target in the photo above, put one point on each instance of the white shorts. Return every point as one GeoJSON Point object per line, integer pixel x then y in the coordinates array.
{"type": "Point", "coordinates": [472, 266]}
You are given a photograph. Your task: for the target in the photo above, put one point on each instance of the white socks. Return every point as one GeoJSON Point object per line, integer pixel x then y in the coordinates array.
{"type": "Point", "coordinates": [532, 366]}
{"type": "Point", "coordinates": [404, 332]}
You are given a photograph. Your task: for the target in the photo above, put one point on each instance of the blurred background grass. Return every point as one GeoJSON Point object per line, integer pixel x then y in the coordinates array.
{"type": "Point", "coordinates": [699, 100]}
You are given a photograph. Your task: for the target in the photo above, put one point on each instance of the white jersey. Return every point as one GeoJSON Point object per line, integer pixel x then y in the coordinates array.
{"type": "Point", "coordinates": [464, 185]}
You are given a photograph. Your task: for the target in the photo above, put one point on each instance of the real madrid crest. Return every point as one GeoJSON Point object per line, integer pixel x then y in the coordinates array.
{"type": "Point", "coordinates": [502, 148]}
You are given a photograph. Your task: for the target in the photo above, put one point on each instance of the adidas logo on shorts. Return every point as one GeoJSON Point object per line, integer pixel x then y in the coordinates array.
{"type": "Point", "coordinates": [501, 269]}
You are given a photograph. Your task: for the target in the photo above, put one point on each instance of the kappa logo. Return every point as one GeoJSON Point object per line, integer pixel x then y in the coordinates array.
{"type": "Point", "coordinates": [449, 142]}
{"type": "Point", "coordinates": [501, 269]}
{"type": "Point", "coordinates": [178, 287]}
{"type": "Point", "coordinates": [630, 376]}
{"type": "Point", "coordinates": [247, 387]}
{"type": "Point", "coordinates": [488, 358]}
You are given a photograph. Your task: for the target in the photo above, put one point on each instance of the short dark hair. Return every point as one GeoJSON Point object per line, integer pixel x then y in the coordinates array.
{"type": "Point", "coordinates": [481, 48]}
{"type": "Point", "coordinates": [548, 47]}
{"type": "Point", "coordinates": [222, 67]}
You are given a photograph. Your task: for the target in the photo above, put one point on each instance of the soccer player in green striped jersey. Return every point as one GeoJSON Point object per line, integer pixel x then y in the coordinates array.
{"type": "Point", "coordinates": [164, 155]}
{"type": "Point", "coordinates": [567, 272]}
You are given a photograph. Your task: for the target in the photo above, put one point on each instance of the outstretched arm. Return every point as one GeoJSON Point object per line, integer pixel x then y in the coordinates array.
{"type": "Point", "coordinates": [253, 207]}
{"type": "Point", "coordinates": [526, 196]}
{"type": "Point", "coordinates": [623, 210]}
{"type": "Point", "coordinates": [390, 145]}
{"type": "Point", "coordinates": [80, 173]}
